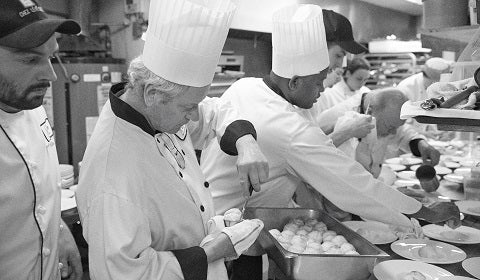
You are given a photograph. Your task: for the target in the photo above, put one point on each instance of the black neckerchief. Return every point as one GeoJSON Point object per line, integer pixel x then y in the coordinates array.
{"type": "Point", "coordinates": [268, 81]}
{"type": "Point", "coordinates": [126, 112]}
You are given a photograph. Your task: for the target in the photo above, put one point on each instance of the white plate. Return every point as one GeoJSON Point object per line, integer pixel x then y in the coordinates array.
{"type": "Point", "coordinates": [406, 175]}
{"type": "Point", "coordinates": [451, 164]}
{"type": "Point", "coordinates": [409, 248]}
{"type": "Point", "coordinates": [460, 235]}
{"type": "Point", "coordinates": [463, 171]}
{"type": "Point", "coordinates": [380, 233]}
{"type": "Point", "coordinates": [404, 160]}
{"type": "Point", "coordinates": [395, 167]}
{"type": "Point", "coordinates": [456, 178]}
{"type": "Point", "coordinates": [472, 266]}
{"type": "Point", "coordinates": [470, 207]}
{"type": "Point", "coordinates": [407, 183]}
{"type": "Point", "coordinates": [451, 158]}
{"type": "Point", "coordinates": [468, 162]}
{"type": "Point", "coordinates": [395, 269]}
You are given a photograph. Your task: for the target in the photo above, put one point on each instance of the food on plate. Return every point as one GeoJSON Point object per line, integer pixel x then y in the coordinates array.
{"type": "Point", "coordinates": [232, 216]}
{"type": "Point", "coordinates": [474, 209]}
{"type": "Point", "coordinates": [414, 194]}
{"type": "Point", "coordinates": [431, 252]}
{"type": "Point", "coordinates": [413, 275]}
{"type": "Point", "coordinates": [454, 235]}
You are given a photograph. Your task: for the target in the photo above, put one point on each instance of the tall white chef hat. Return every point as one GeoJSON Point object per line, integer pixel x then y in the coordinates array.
{"type": "Point", "coordinates": [185, 38]}
{"type": "Point", "coordinates": [436, 66]}
{"type": "Point", "coordinates": [298, 39]}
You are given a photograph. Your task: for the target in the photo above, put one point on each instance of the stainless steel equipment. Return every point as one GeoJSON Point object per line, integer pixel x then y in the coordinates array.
{"type": "Point", "coordinates": [321, 266]}
{"type": "Point", "coordinates": [75, 97]}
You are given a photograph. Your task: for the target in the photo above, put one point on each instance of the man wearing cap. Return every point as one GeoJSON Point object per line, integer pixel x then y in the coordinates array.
{"type": "Point", "coordinates": [34, 242]}
{"type": "Point", "coordinates": [297, 150]}
{"type": "Point", "coordinates": [145, 205]}
{"type": "Point", "coordinates": [340, 40]}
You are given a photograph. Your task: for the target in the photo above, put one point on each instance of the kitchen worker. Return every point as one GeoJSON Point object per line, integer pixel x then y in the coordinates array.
{"type": "Point", "coordinates": [353, 81]}
{"type": "Point", "coordinates": [298, 151]}
{"type": "Point", "coordinates": [34, 241]}
{"type": "Point", "coordinates": [340, 41]}
{"type": "Point", "coordinates": [145, 205]}
{"type": "Point", "coordinates": [384, 106]}
{"type": "Point", "coordinates": [414, 87]}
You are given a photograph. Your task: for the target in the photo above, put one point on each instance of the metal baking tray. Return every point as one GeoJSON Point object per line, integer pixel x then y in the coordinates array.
{"type": "Point", "coordinates": [315, 266]}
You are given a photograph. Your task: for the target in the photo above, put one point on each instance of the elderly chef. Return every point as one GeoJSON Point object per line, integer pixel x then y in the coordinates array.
{"type": "Point", "coordinates": [33, 238]}
{"type": "Point", "coordinates": [144, 203]}
{"type": "Point", "coordinates": [339, 41]}
{"type": "Point", "coordinates": [297, 150]}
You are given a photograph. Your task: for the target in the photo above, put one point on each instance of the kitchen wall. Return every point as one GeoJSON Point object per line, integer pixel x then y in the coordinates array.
{"type": "Point", "coordinates": [368, 21]}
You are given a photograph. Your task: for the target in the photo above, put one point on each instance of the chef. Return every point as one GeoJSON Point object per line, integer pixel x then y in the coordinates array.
{"type": "Point", "coordinates": [414, 86]}
{"type": "Point", "coordinates": [34, 241]}
{"type": "Point", "coordinates": [144, 203]}
{"type": "Point", "coordinates": [297, 150]}
{"type": "Point", "coordinates": [340, 41]}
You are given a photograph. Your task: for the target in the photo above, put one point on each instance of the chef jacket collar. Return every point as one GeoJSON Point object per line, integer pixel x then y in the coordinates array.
{"type": "Point", "coordinates": [268, 81]}
{"type": "Point", "coordinates": [126, 112]}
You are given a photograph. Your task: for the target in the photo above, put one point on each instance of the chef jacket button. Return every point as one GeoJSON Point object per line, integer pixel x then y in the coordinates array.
{"type": "Point", "coordinates": [202, 208]}
{"type": "Point", "coordinates": [46, 252]}
{"type": "Point", "coordinates": [206, 184]}
{"type": "Point", "coordinates": [180, 173]}
{"type": "Point", "coordinates": [41, 210]}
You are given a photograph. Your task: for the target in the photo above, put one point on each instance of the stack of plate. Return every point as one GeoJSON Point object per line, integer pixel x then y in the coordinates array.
{"type": "Point", "coordinates": [67, 175]}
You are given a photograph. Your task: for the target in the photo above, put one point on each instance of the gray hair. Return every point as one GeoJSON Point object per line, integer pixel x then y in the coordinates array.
{"type": "Point", "coordinates": [387, 98]}
{"type": "Point", "coordinates": [139, 76]}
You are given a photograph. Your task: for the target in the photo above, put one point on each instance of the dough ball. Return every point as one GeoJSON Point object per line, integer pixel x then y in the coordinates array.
{"type": "Point", "coordinates": [316, 235]}
{"type": "Point", "coordinates": [327, 245]}
{"type": "Point", "coordinates": [291, 227]}
{"type": "Point", "coordinates": [339, 240]}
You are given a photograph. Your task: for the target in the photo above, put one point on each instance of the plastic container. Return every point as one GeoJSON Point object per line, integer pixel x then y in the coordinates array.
{"type": "Point", "coordinates": [471, 184]}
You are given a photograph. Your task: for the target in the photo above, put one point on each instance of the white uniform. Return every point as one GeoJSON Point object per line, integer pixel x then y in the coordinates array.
{"type": "Point", "coordinates": [142, 196]}
{"type": "Point", "coordinates": [372, 151]}
{"type": "Point", "coordinates": [336, 94]}
{"type": "Point", "coordinates": [29, 197]}
{"type": "Point", "coordinates": [413, 87]}
{"type": "Point", "coordinates": [297, 151]}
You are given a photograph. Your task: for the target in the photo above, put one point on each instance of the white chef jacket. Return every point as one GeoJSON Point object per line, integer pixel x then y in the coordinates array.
{"type": "Point", "coordinates": [298, 152]}
{"type": "Point", "coordinates": [29, 197]}
{"type": "Point", "coordinates": [413, 87]}
{"type": "Point", "coordinates": [336, 94]}
{"type": "Point", "coordinates": [139, 201]}
{"type": "Point", "coordinates": [400, 141]}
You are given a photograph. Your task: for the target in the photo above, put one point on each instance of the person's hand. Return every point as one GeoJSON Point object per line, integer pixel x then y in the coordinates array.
{"type": "Point", "coordinates": [429, 154]}
{"type": "Point", "coordinates": [252, 165]}
{"type": "Point", "coordinates": [441, 212]}
{"type": "Point", "coordinates": [333, 77]}
{"type": "Point", "coordinates": [243, 234]}
{"type": "Point", "coordinates": [359, 126]}
{"type": "Point", "coordinates": [70, 262]}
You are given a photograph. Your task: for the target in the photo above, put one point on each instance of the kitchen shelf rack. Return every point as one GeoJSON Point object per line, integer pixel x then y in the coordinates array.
{"type": "Point", "coordinates": [388, 69]}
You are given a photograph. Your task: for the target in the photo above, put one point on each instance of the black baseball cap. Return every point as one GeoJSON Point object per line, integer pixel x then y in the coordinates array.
{"type": "Point", "coordinates": [339, 30]}
{"type": "Point", "coordinates": [25, 25]}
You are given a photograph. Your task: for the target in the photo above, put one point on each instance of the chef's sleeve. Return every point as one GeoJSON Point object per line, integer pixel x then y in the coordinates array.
{"type": "Point", "coordinates": [344, 181]}
{"type": "Point", "coordinates": [119, 239]}
{"type": "Point", "coordinates": [218, 119]}
{"type": "Point", "coordinates": [407, 139]}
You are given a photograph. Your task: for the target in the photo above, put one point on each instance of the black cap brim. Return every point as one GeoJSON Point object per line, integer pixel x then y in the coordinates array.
{"type": "Point", "coordinates": [37, 33]}
{"type": "Point", "coordinates": [352, 47]}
